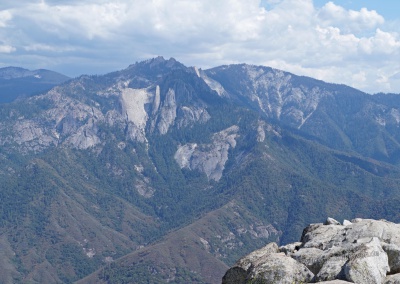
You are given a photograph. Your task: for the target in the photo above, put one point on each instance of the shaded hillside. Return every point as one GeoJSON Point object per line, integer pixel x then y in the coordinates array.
{"type": "Point", "coordinates": [17, 82]}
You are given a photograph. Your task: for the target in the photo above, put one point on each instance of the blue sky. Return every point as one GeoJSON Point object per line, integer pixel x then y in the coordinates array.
{"type": "Point", "coordinates": [354, 42]}
{"type": "Point", "coordinates": [387, 8]}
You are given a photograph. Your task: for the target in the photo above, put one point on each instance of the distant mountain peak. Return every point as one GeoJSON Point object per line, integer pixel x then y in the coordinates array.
{"type": "Point", "coordinates": [12, 72]}
{"type": "Point", "coordinates": [17, 82]}
{"type": "Point", "coordinates": [157, 62]}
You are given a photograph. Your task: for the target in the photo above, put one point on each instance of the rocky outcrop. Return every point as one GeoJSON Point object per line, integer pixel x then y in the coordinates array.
{"type": "Point", "coordinates": [360, 251]}
{"type": "Point", "coordinates": [210, 158]}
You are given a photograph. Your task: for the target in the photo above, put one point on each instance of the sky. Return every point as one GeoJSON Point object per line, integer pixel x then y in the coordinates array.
{"type": "Point", "coordinates": [352, 42]}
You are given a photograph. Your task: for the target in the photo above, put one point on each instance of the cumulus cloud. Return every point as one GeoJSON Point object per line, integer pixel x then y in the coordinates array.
{"type": "Point", "coordinates": [349, 20]}
{"type": "Point", "coordinates": [330, 43]}
{"type": "Point", "coordinates": [5, 16]}
{"type": "Point", "coordinates": [6, 49]}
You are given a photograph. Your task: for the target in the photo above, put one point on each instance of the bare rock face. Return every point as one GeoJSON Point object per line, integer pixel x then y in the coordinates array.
{"type": "Point", "coordinates": [360, 251]}
{"type": "Point", "coordinates": [211, 158]}
{"type": "Point", "coordinates": [167, 112]}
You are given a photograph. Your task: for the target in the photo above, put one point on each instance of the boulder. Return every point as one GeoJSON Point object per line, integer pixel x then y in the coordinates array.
{"type": "Point", "coordinates": [279, 268]}
{"type": "Point", "coordinates": [313, 258]}
{"type": "Point", "coordinates": [360, 251]}
{"type": "Point", "coordinates": [334, 260]}
{"type": "Point", "coordinates": [290, 248]}
{"type": "Point", "coordinates": [368, 264]}
{"type": "Point", "coordinates": [240, 270]}
{"type": "Point", "coordinates": [322, 236]}
{"type": "Point", "coordinates": [367, 228]}
{"type": "Point", "coordinates": [332, 269]}
{"type": "Point", "coordinates": [331, 221]}
{"type": "Point", "coordinates": [346, 222]}
{"type": "Point", "coordinates": [393, 253]}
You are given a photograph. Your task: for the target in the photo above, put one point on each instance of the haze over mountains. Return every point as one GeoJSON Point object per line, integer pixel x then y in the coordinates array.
{"type": "Point", "coordinates": [16, 82]}
{"type": "Point", "coordinates": [162, 172]}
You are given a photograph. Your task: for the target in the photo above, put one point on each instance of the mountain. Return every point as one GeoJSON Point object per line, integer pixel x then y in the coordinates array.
{"type": "Point", "coordinates": [352, 120]}
{"type": "Point", "coordinates": [16, 82]}
{"type": "Point", "coordinates": [162, 172]}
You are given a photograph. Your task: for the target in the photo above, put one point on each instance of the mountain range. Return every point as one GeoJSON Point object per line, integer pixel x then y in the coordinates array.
{"type": "Point", "coordinates": [166, 173]}
{"type": "Point", "coordinates": [16, 82]}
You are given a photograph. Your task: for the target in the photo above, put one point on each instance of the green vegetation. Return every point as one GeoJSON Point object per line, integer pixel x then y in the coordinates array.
{"type": "Point", "coordinates": [69, 212]}
{"type": "Point", "coordinates": [146, 272]}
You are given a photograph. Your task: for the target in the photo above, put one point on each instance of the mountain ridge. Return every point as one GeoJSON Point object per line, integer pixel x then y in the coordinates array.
{"type": "Point", "coordinates": [17, 82]}
{"type": "Point", "coordinates": [151, 154]}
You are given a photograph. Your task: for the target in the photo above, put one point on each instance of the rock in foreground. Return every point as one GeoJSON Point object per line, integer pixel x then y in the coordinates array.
{"type": "Point", "coordinates": [360, 251]}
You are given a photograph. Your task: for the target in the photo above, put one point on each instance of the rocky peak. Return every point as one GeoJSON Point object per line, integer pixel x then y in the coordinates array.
{"type": "Point", "coordinates": [278, 94]}
{"type": "Point", "coordinates": [357, 251]}
{"type": "Point", "coordinates": [147, 97]}
{"type": "Point", "coordinates": [154, 67]}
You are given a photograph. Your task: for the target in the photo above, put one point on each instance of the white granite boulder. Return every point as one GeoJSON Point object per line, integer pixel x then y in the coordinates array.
{"type": "Point", "coordinates": [368, 264]}
{"type": "Point", "coordinates": [360, 251]}
{"type": "Point", "coordinates": [240, 270]}
{"type": "Point", "coordinates": [279, 268]}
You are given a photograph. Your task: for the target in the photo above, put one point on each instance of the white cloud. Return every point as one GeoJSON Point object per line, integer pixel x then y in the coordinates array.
{"type": "Point", "coordinates": [7, 49]}
{"type": "Point", "coordinates": [331, 43]}
{"type": "Point", "coordinates": [349, 20]}
{"type": "Point", "coordinates": [381, 43]}
{"type": "Point", "coordinates": [5, 17]}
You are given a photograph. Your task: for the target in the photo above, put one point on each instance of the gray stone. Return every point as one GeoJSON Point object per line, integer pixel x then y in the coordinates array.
{"type": "Point", "coordinates": [367, 228]}
{"type": "Point", "coordinates": [332, 269]}
{"type": "Point", "coordinates": [331, 221]}
{"type": "Point", "coordinates": [393, 253]}
{"type": "Point", "coordinates": [369, 264]}
{"type": "Point", "coordinates": [363, 251]}
{"type": "Point", "coordinates": [392, 279]}
{"type": "Point", "coordinates": [235, 274]}
{"type": "Point", "coordinates": [240, 270]}
{"type": "Point", "coordinates": [256, 255]}
{"type": "Point", "coordinates": [290, 248]}
{"type": "Point", "coordinates": [279, 268]}
{"type": "Point", "coordinates": [346, 222]}
{"type": "Point", "coordinates": [313, 258]}
{"type": "Point", "coordinates": [335, 282]}
{"type": "Point", "coordinates": [322, 236]}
